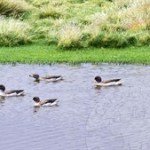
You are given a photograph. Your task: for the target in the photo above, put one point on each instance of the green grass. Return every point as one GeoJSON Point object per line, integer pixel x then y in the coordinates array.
{"type": "Point", "coordinates": [51, 54]}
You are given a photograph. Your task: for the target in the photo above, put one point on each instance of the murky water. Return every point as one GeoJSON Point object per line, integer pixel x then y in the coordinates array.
{"type": "Point", "coordinates": [112, 118]}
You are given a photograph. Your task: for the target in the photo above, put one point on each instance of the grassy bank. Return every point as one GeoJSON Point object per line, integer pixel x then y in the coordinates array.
{"type": "Point", "coordinates": [75, 23]}
{"type": "Point", "coordinates": [51, 54]}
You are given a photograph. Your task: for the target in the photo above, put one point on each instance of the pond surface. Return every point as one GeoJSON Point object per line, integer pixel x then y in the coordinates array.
{"type": "Point", "coordinates": [112, 118]}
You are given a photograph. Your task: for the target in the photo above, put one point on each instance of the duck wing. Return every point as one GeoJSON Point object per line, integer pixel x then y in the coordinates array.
{"type": "Point", "coordinates": [112, 80]}
{"type": "Point", "coordinates": [14, 91]}
{"type": "Point", "coordinates": [52, 77]}
{"type": "Point", "coordinates": [49, 101]}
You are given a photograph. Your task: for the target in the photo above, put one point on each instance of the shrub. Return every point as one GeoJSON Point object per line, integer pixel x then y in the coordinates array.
{"type": "Point", "coordinates": [135, 15]}
{"type": "Point", "coordinates": [113, 40]}
{"type": "Point", "coordinates": [41, 28]}
{"type": "Point", "coordinates": [51, 11]}
{"type": "Point", "coordinates": [77, 1]}
{"type": "Point", "coordinates": [143, 38]}
{"type": "Point", "coordinates": [39, 3]}
{"type": "Point", "coordinates": [13, 32]}
{"type": "Point", "coordinates": [13, 7]}
{"type": "Point", "coordinates": [99, 2]}
{"type": "Point", "coordinates": [70, 36]}
{"type": "Point", "coordinates": [52, 37]}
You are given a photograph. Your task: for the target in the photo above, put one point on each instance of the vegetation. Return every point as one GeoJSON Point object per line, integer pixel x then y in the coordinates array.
{"type": "Point", "coordinates": [14, 32]}
{"type": "Point", "coordinates": [13, 7]}
{"type": "Point", "coordinates": [75, 23]}
{"type": "Point", "coordinates": [41, 53]}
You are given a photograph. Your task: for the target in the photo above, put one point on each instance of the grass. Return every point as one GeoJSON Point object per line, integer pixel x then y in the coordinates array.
{"type": "Point", "coordinates": [13, 7]}
{"type": "Point", "coordinates": [51, 54]}
{"type": "Point", "coordinates": [76, 31]}
{"type": "Point", "coordinates": [78, 23]}
{"type": "Point", "coordinates": [14, 32]}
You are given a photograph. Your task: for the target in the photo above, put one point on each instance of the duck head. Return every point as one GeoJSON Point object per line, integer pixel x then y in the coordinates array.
{"type": "Point", "coordinates": [36, 76]}
{"type": "Point", "coordinates": [2, 88]}
{"type": "Point", "coordinates": [37, 101]}
{"type": "Point", "coordinates": [98, 79]}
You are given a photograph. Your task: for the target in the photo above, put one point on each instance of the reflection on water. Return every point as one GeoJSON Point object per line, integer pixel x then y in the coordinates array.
{"type": "Point", "coordinates": [112, 118]}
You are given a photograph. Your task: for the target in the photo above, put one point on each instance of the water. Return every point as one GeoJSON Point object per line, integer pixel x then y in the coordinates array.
{"type": "Point", "coordinates": [112, 118]}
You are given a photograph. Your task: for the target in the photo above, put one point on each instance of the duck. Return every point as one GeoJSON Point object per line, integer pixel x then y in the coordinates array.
{"type": "Point", "coordinates": [52, 78]}
{"type": "Point", "coordinates": [47, 102]}
{"type": "Point", "coordinates": [111, 82]}
{"type": "Point", "coordinates": [4, 93]}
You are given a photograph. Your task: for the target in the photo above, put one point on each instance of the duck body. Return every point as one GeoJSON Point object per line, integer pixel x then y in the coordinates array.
{"type": "Point", "coordinates": [47, 102]}
{"type": "Point", "coordinates": [53, 78]}
{"type": "Point", "coordinates": [10, 93]}
{"type": "Point", "coordinates": [112, 82]}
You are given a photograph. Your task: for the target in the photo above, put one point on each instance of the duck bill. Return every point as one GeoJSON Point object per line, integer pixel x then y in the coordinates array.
{"type": "Point", "coordinates": [30, 75]}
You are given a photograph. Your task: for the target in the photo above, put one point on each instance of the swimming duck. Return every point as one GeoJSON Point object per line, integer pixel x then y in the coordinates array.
{"type": "Point", "coordinates": [48, 102]}
{"type": "Point", "coordinates": [10, 93]}
{"type": "Point", "coordinates": [111, 82]}
{"type": "Point", "coordinates": [53, 78]}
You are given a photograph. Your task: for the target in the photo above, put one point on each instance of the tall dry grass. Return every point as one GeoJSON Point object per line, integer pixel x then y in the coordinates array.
{"type": "Point", "coordinates": [76, 23]}
{"type": "Point", "coordinates": [121, 22]}
{"type": "Point", "coordinates": [52, 11]}
{"type": "Point", "coordinates": [14, 32]}
{"type": "Point", "coordinates": [13, 7]}
{"type": "Point", "coordinates": [69, 36]}
{"type": "Point", "coordinates": [39, 3]}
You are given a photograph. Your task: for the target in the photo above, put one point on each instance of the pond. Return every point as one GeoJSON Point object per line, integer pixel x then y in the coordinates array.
{"type": "Point", "coordinates": [112, 118]}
